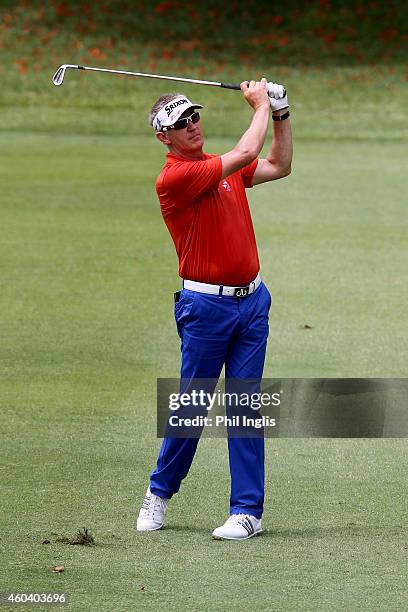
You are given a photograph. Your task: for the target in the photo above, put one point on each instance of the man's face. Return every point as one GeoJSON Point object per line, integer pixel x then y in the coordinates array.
{"type": "Point", "coordinates": [187, 142]}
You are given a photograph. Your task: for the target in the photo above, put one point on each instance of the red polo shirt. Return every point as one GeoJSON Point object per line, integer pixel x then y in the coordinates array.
{"type": "Point", "coordinates": [209, 219]}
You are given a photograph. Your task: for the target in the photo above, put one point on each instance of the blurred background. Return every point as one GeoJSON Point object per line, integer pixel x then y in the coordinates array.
{"type": "Point", "coordinates": [342, 62]}
{"type": "Point", "coordinates": [88, 270]}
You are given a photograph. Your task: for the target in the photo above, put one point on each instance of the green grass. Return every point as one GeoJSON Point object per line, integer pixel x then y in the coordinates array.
{"type": "Point", "coordinates": [363, 103]}
{"type": "Point", "coordinates": [86, 285]}
{"type": "Point", "coordinates": [337, 534]}
{"type": "Point", "coordinates": [86, 281]}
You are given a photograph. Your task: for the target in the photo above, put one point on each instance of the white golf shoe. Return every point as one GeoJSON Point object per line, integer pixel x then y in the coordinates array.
{"type": "Point", "coordinates": [238, 527]}
{"type": "Point", "coordinates": [151, 515]}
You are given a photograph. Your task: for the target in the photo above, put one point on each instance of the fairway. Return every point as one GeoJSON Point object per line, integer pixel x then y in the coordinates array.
{"type": "Point", "coordinates": [87, 275]}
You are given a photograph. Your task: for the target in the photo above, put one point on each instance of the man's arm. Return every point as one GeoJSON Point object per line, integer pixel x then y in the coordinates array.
{"type": "Point", "coordinates": [251, 143]}
{"type": "Point", "coordinates": [279, 158]}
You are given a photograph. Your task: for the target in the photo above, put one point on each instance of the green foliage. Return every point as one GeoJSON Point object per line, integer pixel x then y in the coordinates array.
{"type": "Point", "coordinates": [319, 31]}
{"type": "Point", "coordinates": [334, 93]}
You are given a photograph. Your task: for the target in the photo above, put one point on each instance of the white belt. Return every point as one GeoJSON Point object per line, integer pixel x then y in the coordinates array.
{"type": "Point", "coordinates": [241, 291]}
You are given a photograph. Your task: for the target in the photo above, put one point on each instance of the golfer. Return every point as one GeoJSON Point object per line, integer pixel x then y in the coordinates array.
{"type": "Point", "coordinates": [223, 308]}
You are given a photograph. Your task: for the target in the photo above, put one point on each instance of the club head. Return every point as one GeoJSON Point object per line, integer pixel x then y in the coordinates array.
{"type": "Point", "coordinates": [58, 77]}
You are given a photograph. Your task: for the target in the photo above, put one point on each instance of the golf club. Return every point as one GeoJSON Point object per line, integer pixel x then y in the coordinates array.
{"type": "Point", "coordinates": [59, 76]}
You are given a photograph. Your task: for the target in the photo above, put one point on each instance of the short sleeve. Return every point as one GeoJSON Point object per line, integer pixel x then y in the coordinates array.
{"type": "Point", "coordinates": [191, 179]}
{"type": "Point", "coordinates": [248, 172]}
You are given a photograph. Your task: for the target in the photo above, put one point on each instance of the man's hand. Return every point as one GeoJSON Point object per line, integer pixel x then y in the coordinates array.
{"type": "Point", "coordinates": [255, 93]}
{"type": "Point", "coordinates": [277, 96]}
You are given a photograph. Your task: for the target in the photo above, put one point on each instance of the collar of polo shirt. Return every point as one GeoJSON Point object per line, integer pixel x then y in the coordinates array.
{"type": "Point", "coordinates": [173, 110]}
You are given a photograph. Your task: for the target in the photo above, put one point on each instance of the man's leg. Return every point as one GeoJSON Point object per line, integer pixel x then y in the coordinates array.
{"type": "Point", "coordinates": [245, 361]}
{"type": "Point", "coordinates": [205, 324]}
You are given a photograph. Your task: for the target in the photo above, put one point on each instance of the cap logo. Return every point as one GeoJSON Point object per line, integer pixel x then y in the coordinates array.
{"type": "Point", "coordinates": [169, 114]}
{"type": "Point", "coordinates": [170, 107]}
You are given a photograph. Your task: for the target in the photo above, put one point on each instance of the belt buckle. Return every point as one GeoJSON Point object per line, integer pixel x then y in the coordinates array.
{"type": "Point", "coordinates": [242, 291]}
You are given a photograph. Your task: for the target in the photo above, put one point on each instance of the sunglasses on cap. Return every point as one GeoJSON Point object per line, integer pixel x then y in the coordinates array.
{"type": "Point", "coordinates": [183, 123]}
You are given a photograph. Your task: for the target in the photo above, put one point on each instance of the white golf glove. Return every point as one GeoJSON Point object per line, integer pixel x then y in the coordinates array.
{"type": "Point", "coordinates": [277, 96]}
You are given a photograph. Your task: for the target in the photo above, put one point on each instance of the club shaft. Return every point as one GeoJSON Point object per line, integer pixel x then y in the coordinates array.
{"type": "Point", "coordinates": [162, 77]}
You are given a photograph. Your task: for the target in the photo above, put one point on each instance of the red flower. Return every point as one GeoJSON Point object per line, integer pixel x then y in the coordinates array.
{"type": "Point", "coordinates": [47, 37]}
{"type": "Point", "coordinates": [163, 7]}
{"type": "Point", "coordinates": [62, 10]}
{"type": "Point", "coordinates": [283, 41]}
{"type": "Point", "coordinates": [277, 20]}
{"type": "Point", "coordinates": [329, 39]}
{"type": "Point", "coordinates": [269, 37]}
{"type": "Point", "coordinates": [388, 35]}
{"type": "Point", "coordinates": [22, 65]}
{"type": "Point", "coordinates": [188, 45]}
{"type": "Point", "coordinates": [95, 52]}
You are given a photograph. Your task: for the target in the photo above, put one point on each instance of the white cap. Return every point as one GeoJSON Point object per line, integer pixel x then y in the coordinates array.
{"type": "Point", "coordinates": [169, 114]}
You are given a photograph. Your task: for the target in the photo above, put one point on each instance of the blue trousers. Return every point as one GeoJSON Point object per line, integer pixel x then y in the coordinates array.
{"type": "Point", "coordinates": [217, 330]}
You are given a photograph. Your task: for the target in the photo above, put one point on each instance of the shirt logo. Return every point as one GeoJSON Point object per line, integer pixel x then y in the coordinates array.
{"type": "Point", "coordinates": [226, 185]}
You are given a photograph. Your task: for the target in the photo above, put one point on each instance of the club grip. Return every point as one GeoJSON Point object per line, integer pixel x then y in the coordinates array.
{"type": "Point", "coordinates": [230, 86]}
{"type": "Point", "coordinates": [235, 86]}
